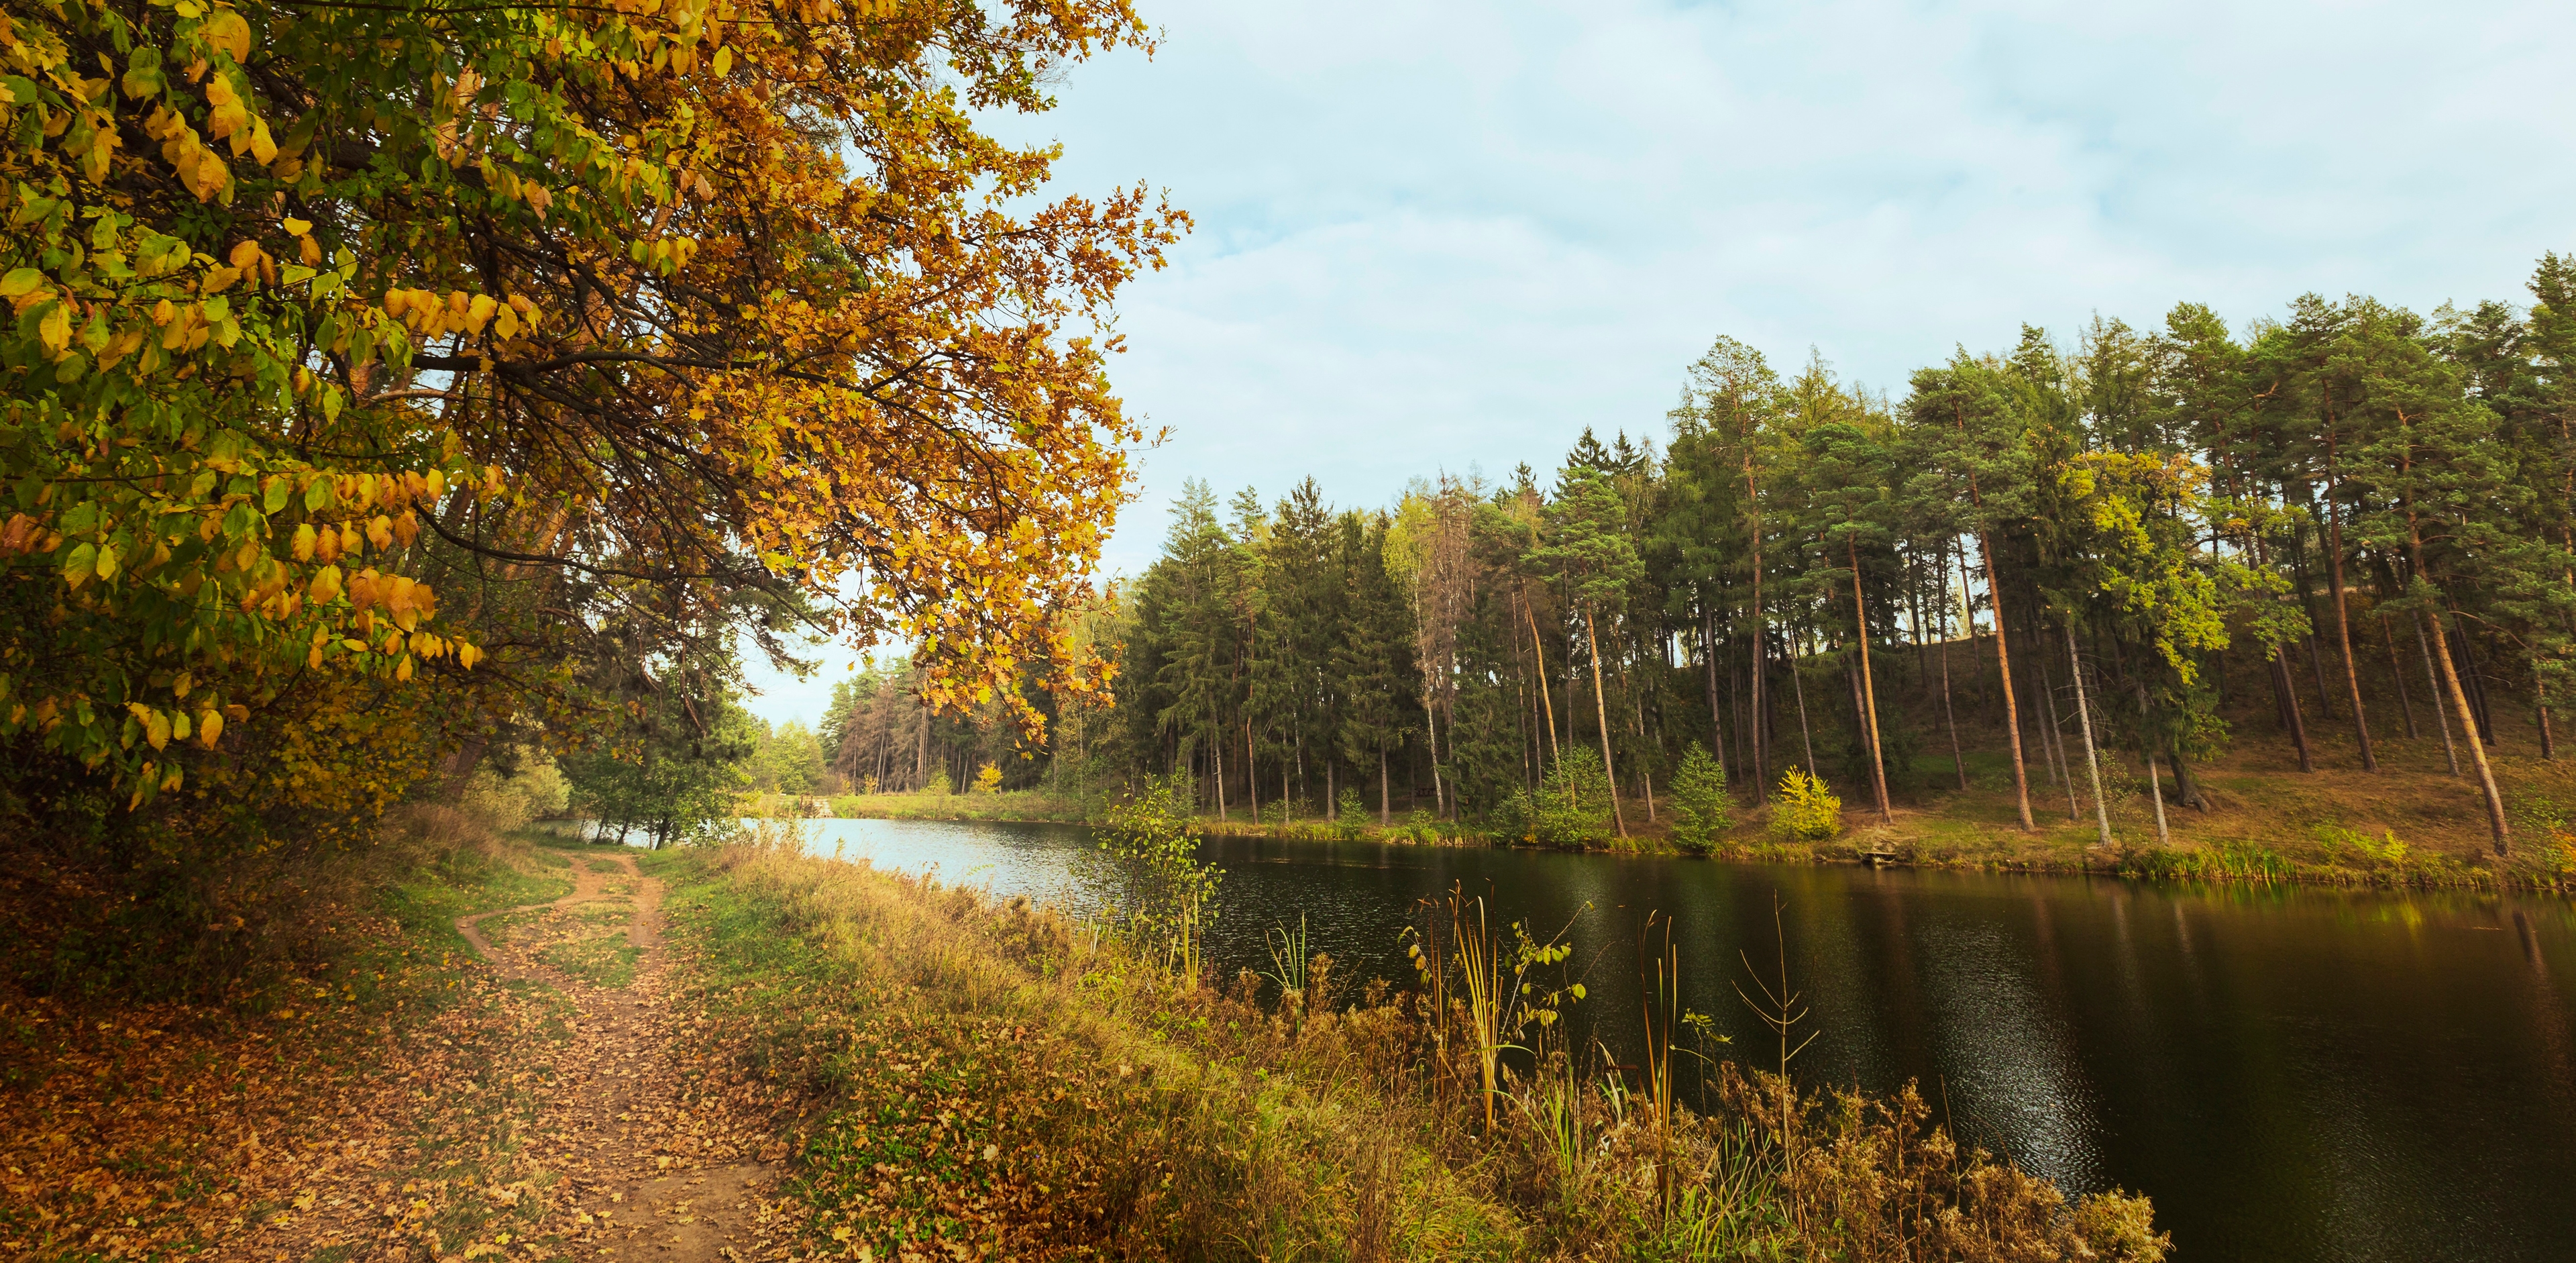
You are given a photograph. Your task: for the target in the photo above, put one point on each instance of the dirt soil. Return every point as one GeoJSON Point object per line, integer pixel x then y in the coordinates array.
{"type": "Point", "coordinates": [614, 1149]}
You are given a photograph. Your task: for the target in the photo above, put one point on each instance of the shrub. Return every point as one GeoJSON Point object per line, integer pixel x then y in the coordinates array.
{"type": "Point", "coordinates": [1349, 817]}
{"type": "Point", "coordinates": [1699, 801]}
{"type": "Point", "coordinates": [1148, 861]}
{"type": "Point", "coordinates": [988, 780]}
{"type": "Point", "coordinates": [1806, 810]}
{"type": "Point", "coordinates": [1572, 806]}
{"type": "Point", "coordinates": [2384, 849]}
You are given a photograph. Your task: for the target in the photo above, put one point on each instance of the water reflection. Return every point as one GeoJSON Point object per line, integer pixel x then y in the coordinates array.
{"type": "Point", "coordinates": [2290, 1073]}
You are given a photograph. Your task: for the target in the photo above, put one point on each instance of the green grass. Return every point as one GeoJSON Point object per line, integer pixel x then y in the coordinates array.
{"type": "Point", "coordinates": [1017, 805]}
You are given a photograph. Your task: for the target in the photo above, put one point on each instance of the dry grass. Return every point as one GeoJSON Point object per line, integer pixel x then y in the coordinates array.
{"type": "Point", "coordinates": [996, 1078]}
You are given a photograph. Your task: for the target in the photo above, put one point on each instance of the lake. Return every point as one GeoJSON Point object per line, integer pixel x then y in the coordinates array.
{"type": "Point", "coordinates": [2292, 1073]}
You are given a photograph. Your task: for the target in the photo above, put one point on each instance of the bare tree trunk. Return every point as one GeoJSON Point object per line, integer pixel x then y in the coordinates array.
{"type": "Point", "coordinates": [1949, 714]}
{"type": "Point", "coordinates": [2459, 695]}
{"type": "Point", "coordinates": [2441, 719]}
{"type": "Point", "coordinates": [2288, 696]}
{"type": "Point", "coordinates": [2477, 748]}
{"type": "Point", "coordinates": [1385, 795]}
{"type": "Point", "coordinates": [1601, 706]}
{"type": "Point", "coordinates": [1868, 689]}
{"type": "Point", "coordinates": [2084, 720]}
{"type": "Point", "coordinates": [2397, 672]}
{"type": "Point", "coordinates": [2056, 746]}
{"type": "Point", "coordinates": [2155, 783]}
{"type": "Point", "coordinates": [1539, 651]}
{"type": "Point", "coordinates": [2003, 666]}
{"type": "Point", "coordinates": [1806, 738]}
{"type": "Point", "coordinates": [2343, 624]}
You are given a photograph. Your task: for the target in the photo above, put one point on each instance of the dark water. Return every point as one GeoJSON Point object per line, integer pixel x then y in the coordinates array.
{"type": "Point", "coordinates": [2291, 1074]}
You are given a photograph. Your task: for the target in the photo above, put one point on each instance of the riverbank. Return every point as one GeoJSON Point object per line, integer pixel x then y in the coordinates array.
{"type": "Point", "coordinates": [544, 1051]}
{"type": "Point", "coordinates": [992, 1079]}
{"type": "Point", "coordinates": [2259, 819]}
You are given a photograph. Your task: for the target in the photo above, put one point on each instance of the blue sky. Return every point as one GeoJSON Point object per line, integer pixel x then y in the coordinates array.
{"type": "Point", "coordinates": [1448, 236]}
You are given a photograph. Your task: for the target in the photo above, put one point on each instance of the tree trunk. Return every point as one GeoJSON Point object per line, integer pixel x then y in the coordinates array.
{"type": "Point", "coordinates": [2003, 669]}
{"type": "Point", "coordinates": [2459, 694]}
{"type": "Point", "coordinates": [1950, 716]}
{"type": "Point", "coordinates": [1601, 707]}
{"type": "Point", "coordinates": [2477, 749]}
{"type": "Point", "coordinates": [1216, 757]}
{"type": "Point", "coordinates": [1537, 650]}
{"type": "Point", "coordinates": [2155, 783]}
{"type": "Point", "coordinates": [2433, 678]}
{"type": "Point", "coordinates": [2343, 624]}
{"type": "Point", "coordinates": [1806, 737]}
{"type": "Point", "coordinates": [1761, 720]}
{"type": "Point", "coordinates": [1868, 689]}
{"type": "Point", "coordinates": [2286, 692]}
{"type": "Point", "coordinates": [2056, 744]}
{"type": "Point", "coordinates": [1385, 794]}
{"type": "Point", "coordinates": [2397, 672]}
{"type": "Point", "coordinates": [2475, 677]}
{"type": "Point", "coordinates": [2084, 720]}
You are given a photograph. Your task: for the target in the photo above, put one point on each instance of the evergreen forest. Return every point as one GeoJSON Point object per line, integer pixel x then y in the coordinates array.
{"type": "Point", "coordinates": [2123, 555]}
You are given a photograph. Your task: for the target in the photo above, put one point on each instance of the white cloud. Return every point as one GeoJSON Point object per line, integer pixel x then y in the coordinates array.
{"type": "Point", "coordinates": [1443, 235]}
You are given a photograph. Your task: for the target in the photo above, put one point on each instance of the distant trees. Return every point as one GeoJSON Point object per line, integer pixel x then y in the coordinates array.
{"type": "Point", "coordinates": [2060, 548]}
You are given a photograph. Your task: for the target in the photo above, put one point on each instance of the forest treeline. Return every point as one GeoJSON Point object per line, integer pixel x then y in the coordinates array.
{"type": "Point", "coordinates": [2349, 522]}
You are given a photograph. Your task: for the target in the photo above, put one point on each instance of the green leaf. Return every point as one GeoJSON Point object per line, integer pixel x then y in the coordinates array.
{"type": "Point", "coordinates": [20, 281]}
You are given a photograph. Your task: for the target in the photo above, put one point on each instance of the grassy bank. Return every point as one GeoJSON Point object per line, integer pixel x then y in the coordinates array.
{"type": "Point", "coordinates": [2261, 819]}
{"type": "Point", "coordinates": [980, 1079]}
{"type": "Point", "coordinates": [1028, 805]}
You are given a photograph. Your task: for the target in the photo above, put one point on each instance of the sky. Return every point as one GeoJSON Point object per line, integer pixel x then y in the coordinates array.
{"type": "Point", "coordinates": [1450, 236]}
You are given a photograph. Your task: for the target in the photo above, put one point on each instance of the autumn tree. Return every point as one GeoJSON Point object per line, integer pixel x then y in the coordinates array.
{"type": "Point", "coordinates": [697, 299]}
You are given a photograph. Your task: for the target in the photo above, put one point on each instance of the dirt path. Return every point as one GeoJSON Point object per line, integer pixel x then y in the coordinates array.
{"type": "Point", "coordinates": [590, 1130]}
{"type": "Point", "coordinates": [605, 1123]}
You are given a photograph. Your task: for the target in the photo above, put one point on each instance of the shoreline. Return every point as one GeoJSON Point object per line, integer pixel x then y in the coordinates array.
{"type": "Point", "coordinates": [2228, 860]}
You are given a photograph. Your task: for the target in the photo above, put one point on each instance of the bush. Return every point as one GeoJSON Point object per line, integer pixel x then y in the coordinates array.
{"type": "Point", "coordinates": [1700, 816]}
{"type": "Point", "coordinates": [1149, 862]}
{"type": "Point", "coordinates": [1350, 819]}
{"type": "Point", "coordinates": [988, 780]}
{"type": "Point", "coordinates": [1572, 806]}
{"type": "Point", "coordinates": [1806, 810]}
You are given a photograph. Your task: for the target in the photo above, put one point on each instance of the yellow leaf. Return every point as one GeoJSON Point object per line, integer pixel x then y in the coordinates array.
{"type": "Point", "coordinates": [326, 585]}
{"type": "Point", "coordinates": [210, 728]}
{"type": "Point", "coordinates": [227, 31]}
{"type": "Point", "coordinates": [56, 329]}
{"type": "Point", "coordinates": [295, 227]}
{"type": "Point", "coordinates": [304, 542]}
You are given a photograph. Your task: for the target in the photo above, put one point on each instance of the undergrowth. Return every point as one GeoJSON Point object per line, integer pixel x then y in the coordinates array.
{"type": "Point", "coordinates": [994, 1078]}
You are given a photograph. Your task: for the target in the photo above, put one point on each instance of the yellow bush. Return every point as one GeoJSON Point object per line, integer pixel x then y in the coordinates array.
{"type": "Point", "coordinates": [1806, 810]}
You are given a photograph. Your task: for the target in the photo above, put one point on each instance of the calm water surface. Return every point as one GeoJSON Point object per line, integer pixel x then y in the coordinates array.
{"type": "Point", "coordinates": [2291, 1074]}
